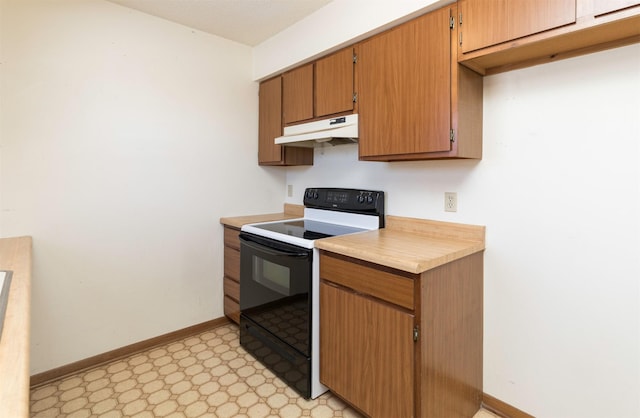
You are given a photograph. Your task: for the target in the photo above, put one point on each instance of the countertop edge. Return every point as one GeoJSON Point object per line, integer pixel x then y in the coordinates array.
{"type": "Point", "coordinates": [455, 240]}
{"type": "Point", "coordinates": [15, 255]}
{"type": "Point", "coordinates": [413, 265]}
{"type": "Point", "coordinates": [290, 211]}
{"type": "Point", "coordinates": [382, 247]}
{"type": "Point", "coordinates": [238, 221]}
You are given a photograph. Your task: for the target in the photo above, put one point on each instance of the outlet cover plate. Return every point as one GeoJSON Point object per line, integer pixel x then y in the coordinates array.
{"type": "Point", "coordinates": [450, 202]}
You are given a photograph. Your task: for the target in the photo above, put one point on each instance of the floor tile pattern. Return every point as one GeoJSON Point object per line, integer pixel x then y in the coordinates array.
{"type": "Point", "coordinates": [206, 375]}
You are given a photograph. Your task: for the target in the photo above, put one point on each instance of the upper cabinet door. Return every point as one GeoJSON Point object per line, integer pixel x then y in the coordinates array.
{"type": "Point", "coordinates": [334, 83]}
{"type": "Point", "coordinates": [601, 7]}
{"type": "Point", "coordinates": [404, 89]}
{"type": "Point", "coordinates": [297, 94]}
{"type": "Point", "coordinates": [485, 23]}
{"type": "Point", "coordinates": [269, 121]}
{"type": "Point", "coordinates": [270, 127]}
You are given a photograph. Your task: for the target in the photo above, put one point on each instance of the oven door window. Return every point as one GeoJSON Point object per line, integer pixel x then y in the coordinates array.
{"type": "Point", "coordinates": [274, 276]}
{"type": "Point", "coordinates": [272, 272]}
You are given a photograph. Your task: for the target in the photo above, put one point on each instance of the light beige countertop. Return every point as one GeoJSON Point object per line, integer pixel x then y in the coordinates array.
{"type": "Point", "coordinates": [408, 244]}
{"type": "Point", "coordinates": [290, 212]}
{"type": "Point", "coordinates": [15, 255]}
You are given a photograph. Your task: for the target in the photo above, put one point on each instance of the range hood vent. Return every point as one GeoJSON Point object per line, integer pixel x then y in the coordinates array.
{"type": "Point", "coordinates": [334, 131]}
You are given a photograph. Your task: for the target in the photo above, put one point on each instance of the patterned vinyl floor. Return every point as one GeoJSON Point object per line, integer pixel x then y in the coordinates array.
{"type": "Point", "coordinates": [206, 375]}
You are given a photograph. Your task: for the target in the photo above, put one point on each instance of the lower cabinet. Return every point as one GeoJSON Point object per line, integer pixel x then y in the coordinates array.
{"type": "Point", "coordinates": [397, 344]}
{"type": "Point", "coordinates": [364, 347]}
{"type": "Point", "coordinates": [232, 273]}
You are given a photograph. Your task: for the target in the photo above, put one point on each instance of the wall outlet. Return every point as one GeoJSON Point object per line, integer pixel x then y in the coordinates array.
{"type": "Point", "coordinates": [450, 202]}
{"type": "Point", "coordinates": [290, 190]}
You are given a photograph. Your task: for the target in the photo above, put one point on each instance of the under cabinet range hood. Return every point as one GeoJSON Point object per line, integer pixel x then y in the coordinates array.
{"type": "Point", "coordinates": [334, 131]}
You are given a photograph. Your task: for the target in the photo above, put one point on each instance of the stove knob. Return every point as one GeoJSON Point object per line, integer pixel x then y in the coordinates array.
{"type": "Point", "coordinates": [360, 199]}
{"type": "Point", "coordinates": [369, 199]}
{"type": "Point", "coordinates": [315, 195]}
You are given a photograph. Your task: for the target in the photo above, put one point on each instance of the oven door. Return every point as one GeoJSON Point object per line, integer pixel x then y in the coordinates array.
{"type": "Point", "coordinates": [275, 288]}
{"type": "Point", "coordinates": [275, 307]}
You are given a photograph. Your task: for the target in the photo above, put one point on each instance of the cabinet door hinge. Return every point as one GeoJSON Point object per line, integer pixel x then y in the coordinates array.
{"type": "Point", "coordinates": [415, 333]}
{"type": "Point", "coordinates": [355, 97]}
{"type": "Point", "coordinates": [355, 58]}
{"type": "Point", "coordinates": [452, 22]}
{"type": "Point", "coordinates": [460, 24]}
{"type": "Point", "coordinates": [452, 135]}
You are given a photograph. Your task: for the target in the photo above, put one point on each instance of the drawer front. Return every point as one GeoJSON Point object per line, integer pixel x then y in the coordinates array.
{"type": "Point", "coordinates": [368, 280]}
{"type": "Point", "coordinates": [232, 289]}
{"type": "Point", "coordinates": [232, 237]}
{"type": "Point", "coordinates": [232, 309]}
{"type": "Point", "coordinates": [232, 263]}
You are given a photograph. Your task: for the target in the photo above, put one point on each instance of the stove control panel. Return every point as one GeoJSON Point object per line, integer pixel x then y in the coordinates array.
{"type": "Point", "coordinates": [345, 200]}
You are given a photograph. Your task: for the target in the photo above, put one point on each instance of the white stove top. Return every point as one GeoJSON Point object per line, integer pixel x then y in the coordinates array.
{"type": "Point", "coordinates": [316, 224]}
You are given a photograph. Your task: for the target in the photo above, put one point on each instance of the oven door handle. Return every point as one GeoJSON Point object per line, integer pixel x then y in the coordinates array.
{"type": "Point", "coordinates": [272, 251]}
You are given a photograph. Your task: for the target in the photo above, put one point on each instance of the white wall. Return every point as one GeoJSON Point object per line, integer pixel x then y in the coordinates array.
{"type": "Point", "coordinates": [124, 139]}
{"type": "Point", "coordinates": [559, 191]}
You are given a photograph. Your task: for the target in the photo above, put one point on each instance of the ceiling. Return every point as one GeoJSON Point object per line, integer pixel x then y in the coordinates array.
{"type": "Point", "coordinates": [245, 21]}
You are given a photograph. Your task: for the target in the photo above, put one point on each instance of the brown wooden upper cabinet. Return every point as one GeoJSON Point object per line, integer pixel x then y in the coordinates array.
{"type": "Point", "coordinates": [490, 22]}
{"type": "Point", "coordinates": [319, 89]}
{"type": "Point", "coordinates": [297, 94]}
{"type": "Point", "coordinates": [270, 127]}
{"type": "Point", "coordinates": [417, 88]}
{"type": "Point", "coordinates": [414, 100]}
{"type": "Point", "coordinates": [334, 83]}
{"type": "Point", "coordinates": [601, 7]}
{"type": "Point", "coordinates": [502, 35]}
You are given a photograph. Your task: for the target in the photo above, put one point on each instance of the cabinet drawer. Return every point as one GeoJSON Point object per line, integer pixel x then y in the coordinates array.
{"type": "Point", "coordinates": [232, 309]}
{"type": "Point", "coordinates": [232, 263]}
{"type": "Point", "coordinates": [232, 238]}
{"type": "Point", "coordinates": [232, 288]}
{"type": "Point", "coordinates": [368, 279]}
